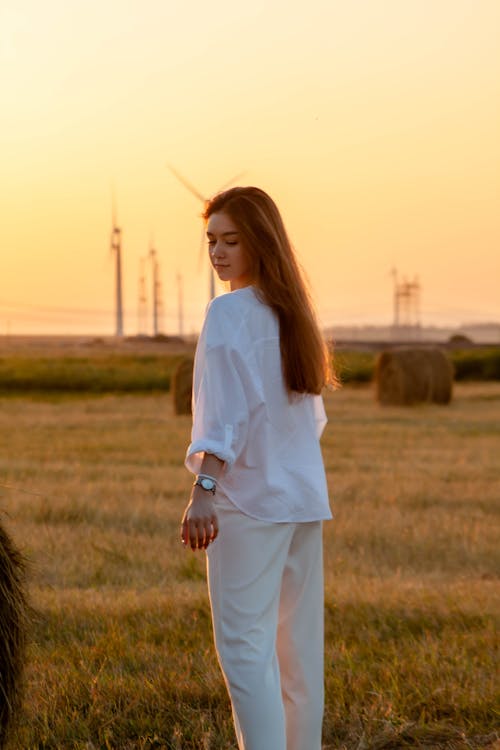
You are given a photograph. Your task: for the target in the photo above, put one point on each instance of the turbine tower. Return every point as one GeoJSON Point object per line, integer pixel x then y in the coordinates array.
{"type": "Point", "coordinates": [157, 303]}
{"type": "Point", "coordinates": [142, 310]}
{"type": "Point", "coordinates": [204, 200]}
{"type": "Point", "coordinates": [116, 248]}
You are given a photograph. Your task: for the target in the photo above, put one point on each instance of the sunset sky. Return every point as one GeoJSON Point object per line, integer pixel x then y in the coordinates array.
{"type": "Point", "coordinates": [374, 124]}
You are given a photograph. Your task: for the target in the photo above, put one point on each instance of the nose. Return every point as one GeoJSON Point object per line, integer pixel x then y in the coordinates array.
{"type": "Point", "coordinates": [218, 250]}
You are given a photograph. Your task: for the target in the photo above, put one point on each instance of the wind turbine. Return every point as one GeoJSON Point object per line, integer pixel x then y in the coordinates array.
{"type": "Point", "coordinates": [194, 191]}
{"type": "Point", "coordinates": [155, 267]}
{"type": "Point", "coordinates": [116, 248]}
{"type": "Point", "coordinates": [142, 309]}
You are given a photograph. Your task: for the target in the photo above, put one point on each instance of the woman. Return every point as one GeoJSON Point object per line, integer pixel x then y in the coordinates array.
{"type": "Point", "coordinates": [260, 493]}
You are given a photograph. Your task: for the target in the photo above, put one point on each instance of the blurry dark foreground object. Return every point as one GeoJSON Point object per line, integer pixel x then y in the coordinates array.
{"type": "Point", "coordinates": [13, 630]}
{"type": "Point", "coordinates": [407, 376]}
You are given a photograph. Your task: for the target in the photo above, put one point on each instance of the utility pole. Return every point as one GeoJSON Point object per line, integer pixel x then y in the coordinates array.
{"type": "Point", "coordinates": [406, 302]}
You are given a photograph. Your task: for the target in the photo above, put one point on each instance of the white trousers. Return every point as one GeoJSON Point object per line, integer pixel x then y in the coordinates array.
{"type": "Point", "coordinates": [266, 594]}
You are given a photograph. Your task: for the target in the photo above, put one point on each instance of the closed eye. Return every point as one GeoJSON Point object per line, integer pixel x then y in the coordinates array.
{"type": "Point", "coordinates": [211, 243]}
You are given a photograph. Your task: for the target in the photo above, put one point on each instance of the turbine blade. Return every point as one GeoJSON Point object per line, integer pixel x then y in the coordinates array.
{"type": "Point", "coordinates": [201, 251]}
{"type": "Point", "coordinates": [113, 206]}
{"type": "Point", "coordinates": [227, 184]}
{"type": "Point", "coordinates": [112, 245]}
{"type": "Point", "coordinates": [187, 184]}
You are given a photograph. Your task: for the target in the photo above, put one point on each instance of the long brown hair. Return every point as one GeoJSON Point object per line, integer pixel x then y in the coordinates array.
{"type": "Point", "coordinates": [305, 359]}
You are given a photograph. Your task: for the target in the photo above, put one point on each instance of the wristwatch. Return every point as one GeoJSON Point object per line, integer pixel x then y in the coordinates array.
{"type": "Point", "coordinates": [206, 483]}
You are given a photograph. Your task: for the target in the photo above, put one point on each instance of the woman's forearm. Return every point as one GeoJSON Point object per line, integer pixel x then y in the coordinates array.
{"type": "Point", "coordinates": [211, 465]}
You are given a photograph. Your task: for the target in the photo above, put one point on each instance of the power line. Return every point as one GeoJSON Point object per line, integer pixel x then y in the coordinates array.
{"type": "Point", "coordinates": [50, 309]}
{"type": "Point", "coordinates": [11, 308]}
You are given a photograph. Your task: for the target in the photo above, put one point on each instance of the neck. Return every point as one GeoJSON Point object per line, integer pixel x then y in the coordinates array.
{"type": "Point", "coordinates": [239, 284]}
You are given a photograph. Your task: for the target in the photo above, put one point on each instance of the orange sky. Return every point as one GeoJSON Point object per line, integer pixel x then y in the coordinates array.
{"type": "Point", "coordinates": [374, 124]}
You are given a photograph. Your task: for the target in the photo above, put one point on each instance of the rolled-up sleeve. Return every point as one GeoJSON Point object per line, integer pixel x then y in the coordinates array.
{"type": "Point", "coordinates": [220, 409]}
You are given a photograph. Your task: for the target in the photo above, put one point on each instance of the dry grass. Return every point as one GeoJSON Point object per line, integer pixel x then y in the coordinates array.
{"type": "Point", "coordinates": [122, 655]}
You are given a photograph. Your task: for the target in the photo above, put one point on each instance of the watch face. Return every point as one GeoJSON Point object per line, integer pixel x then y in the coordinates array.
{"type": "Point", "coordinates": [207, 484]}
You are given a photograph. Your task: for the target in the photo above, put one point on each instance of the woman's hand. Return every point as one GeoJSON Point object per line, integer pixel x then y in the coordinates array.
{"type": "Point", "coordinates": [199, 522]}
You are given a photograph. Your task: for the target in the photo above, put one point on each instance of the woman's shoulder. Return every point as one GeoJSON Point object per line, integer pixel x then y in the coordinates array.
{"type": "Point", "coordinates": [231, 318]}
{"type": "Point", "coordinates": [226, 316]}
{"type": "Point", "coordinates": [233, 306]}
{"type": "Point", "coordinates": [232, 302]}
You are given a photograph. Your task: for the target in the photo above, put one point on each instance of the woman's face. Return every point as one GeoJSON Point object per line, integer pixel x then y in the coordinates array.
{"type": "Point", "coordinates": [227, 254]}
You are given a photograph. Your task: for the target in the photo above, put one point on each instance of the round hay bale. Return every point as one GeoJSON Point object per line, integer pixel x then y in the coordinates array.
{"type": "Point", "coordinates": [442, 374]}
{"type": "Point", "coordinates": [182, 386]}
{"type": "Point", "coordinates": [407, 376]}
{"type": "Point", "coordinates": [13, 630]}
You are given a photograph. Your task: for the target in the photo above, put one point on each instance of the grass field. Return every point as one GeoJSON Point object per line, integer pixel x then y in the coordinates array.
{"type": "Point", "coordinates": [121, 653]}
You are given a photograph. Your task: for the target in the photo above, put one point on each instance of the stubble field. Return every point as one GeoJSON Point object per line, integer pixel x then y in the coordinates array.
{"type": "Point", "coordinates": [121, 651]}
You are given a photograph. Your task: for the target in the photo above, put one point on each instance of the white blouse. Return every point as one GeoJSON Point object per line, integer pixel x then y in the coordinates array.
{"type": "Point", "coordinates": [244, 415]}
